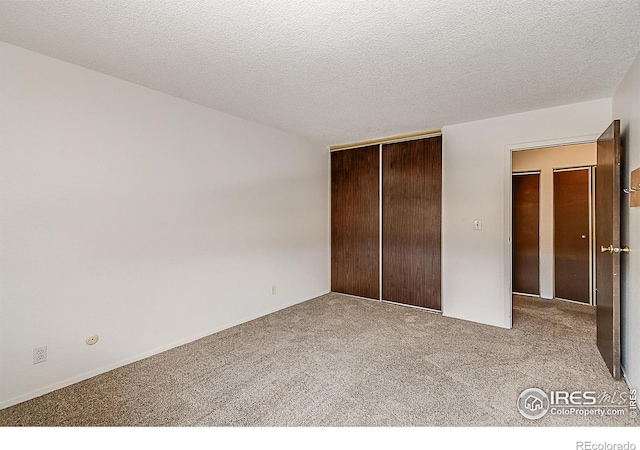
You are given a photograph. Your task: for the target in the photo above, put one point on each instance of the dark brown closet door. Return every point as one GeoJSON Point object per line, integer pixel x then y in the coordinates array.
{"type": "Point", "coordinates": [526, 234]}
{"type": "Point", "coordinates": [355, 222]}
{"type": "Point", "coordinates": [571, 234]}
{"type": "Point", "coordinates": [411, 222]}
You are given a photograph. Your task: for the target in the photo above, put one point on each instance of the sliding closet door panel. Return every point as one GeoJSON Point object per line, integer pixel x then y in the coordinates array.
{"type": "Point", "coordinates": [571, 234]}
{"type": "Point", "coordinates": [355, 222]}
{"type": "Point", "coordinates": [411, 222]}
{"type": "Point", "coordinates": [526, 234]}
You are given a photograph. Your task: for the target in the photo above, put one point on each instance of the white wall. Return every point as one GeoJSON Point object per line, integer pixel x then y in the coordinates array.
{"type": "Point", "coordinates": [477, 184]}
{"type": "Point", "coordinates": [546, 160]}
{"type": "Point", "coordinates": [143, 218]}
{"type": "Point", "coordinates": [626, 107]}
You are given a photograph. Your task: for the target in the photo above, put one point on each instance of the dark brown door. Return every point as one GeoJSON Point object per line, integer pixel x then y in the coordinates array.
{"type": "Point", "coordinates": [355, 222]}
{"type": "Point", "coordinates": [526, 233]}
{"type": "Point", "coordinates": [571, 234]}
{"type": "Point", "coordinates": [411, 222]}
{"type": "Point", "coordinates": [607, 209]}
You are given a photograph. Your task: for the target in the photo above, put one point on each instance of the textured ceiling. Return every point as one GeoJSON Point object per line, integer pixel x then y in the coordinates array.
{"type": "Point", "coordinates": [340, 71]}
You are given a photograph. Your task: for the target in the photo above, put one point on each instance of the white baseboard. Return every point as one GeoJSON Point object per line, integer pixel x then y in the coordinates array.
{"type": "Point", "coordinates": [69, 381]}
{"type": "Point", "coordinates": [471, 319]}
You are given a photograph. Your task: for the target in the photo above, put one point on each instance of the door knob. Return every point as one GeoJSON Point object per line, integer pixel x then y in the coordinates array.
{"type": "Point", "coordinates": [612, 249]}
{"type": "Point", "coordinates": [584, 236]}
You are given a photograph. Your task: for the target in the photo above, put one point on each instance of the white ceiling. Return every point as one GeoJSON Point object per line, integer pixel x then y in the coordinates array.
{"type": "Point", "coordinates": [341, 71]}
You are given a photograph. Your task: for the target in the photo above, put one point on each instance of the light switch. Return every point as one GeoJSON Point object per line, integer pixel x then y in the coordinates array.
{"type": "Point", "coordinates": [477, 225]}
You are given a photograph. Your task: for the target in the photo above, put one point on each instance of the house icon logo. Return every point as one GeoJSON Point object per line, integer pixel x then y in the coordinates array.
{"type": "Point", "coordinates": [533, 403]}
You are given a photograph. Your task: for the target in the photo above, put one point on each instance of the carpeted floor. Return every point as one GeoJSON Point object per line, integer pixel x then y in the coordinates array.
{"type": "Point", "coordinates": [343, 361]}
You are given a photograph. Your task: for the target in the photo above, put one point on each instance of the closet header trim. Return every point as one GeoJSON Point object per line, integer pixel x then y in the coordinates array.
{"type": "Point", "coordinates": [387, 140]}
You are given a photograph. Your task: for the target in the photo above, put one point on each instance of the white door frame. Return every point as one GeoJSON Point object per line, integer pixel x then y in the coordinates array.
{"type": "Point", "coordinates": [508, 150]}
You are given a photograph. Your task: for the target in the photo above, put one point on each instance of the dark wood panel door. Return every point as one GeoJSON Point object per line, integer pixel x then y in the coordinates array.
{"type": "Point", "coordinates": [526, 233]}
{"type": "Point", "coordinates": [607, 212]}
{"type": "Point", "coordinates": [571, 234]}
{"type": "Point", "coordinates": [355, 221]}
{"type": "Point", "coordinates": [411, 222]}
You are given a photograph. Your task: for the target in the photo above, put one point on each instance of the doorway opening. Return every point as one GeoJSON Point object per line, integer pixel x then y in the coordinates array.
{"type": "Point", "coordinates": [553, 236]}
{"type": "Point", "coordinates": [605, 240]}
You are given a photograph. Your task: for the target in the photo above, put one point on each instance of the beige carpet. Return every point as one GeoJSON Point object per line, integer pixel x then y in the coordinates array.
{"type": "Point", "coordinates": [342, 361]}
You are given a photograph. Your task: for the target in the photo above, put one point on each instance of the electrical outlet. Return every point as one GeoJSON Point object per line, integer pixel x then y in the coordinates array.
{"type": "Point", "coordinates": [39, 354]}
{"type": "Point", "coordinates": [273, 290]}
